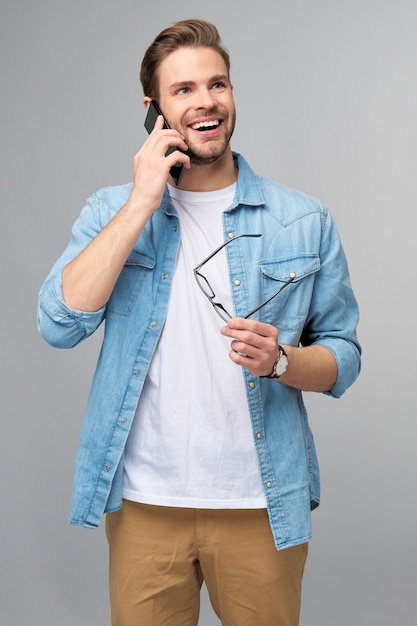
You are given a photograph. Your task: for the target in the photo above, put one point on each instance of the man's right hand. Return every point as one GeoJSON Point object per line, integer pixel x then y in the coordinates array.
{"type": "Point", "coordinates": [151, 166]}
{"type": "Point", "coordinates": [88, 280]}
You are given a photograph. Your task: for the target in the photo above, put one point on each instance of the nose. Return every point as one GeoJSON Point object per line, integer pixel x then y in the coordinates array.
{"type": "Point", "coordinates": [205, 99]}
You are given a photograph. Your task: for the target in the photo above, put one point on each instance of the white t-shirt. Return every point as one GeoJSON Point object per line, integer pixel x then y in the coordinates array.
{"type": "Point", "coordinates": [191, 442]}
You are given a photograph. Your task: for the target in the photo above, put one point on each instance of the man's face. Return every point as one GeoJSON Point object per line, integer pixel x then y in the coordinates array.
{"type": "Point", "coordinates": [196, 98]}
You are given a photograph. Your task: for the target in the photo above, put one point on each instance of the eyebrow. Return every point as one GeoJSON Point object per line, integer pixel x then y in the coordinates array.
{"type": "Point", "coordinates": [191, 83]}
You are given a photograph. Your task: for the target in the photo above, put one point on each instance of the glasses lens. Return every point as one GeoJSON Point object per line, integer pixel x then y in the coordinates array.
{"type": "Point", "coordinates": [221, 311]}
{"type": "Point", "coordinates": [204, 285]}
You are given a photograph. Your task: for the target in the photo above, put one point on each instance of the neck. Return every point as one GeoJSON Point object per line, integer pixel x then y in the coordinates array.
{"type": "Point", "coordinates": [211, 177]}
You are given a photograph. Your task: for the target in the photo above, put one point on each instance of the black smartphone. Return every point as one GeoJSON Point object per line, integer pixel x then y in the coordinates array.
{"type": "Point", "coordinates": [176, 170]}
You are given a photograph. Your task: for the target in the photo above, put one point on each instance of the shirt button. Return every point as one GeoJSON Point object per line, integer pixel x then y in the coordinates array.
{"type": "Point", "coordinates": [236, 282]}
{"type": "Point", "coordinates": [164, 276]}
{"type": "Point", "coordinates": [154, 325]}
{"type": "Point", "coordinates": [123, 421]}
{"type": "Point", "coordinates": [252, 385]}
{"type": "Point", "coordinates": [293, 275]}
{"type": "Point", "coordinates": [258, 436]}
{"type": "Point", "coordinates": [107, 468]}
{"type": "Point", "coordinates": [175, 229]}
{"type": "Point", "coordinates": [136, 372]}
{"type": "Point", "coordinates": [269, 484]}
{"type": "Point", "coordinates": [231, 235]}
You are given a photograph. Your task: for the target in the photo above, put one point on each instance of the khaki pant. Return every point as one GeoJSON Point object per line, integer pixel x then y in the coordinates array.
{"type": "Point", "coordinates": [159, 557]}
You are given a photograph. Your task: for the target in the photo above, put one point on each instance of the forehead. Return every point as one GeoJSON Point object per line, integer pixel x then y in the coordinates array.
{"type": "Point", "coordinates": [191, 64]}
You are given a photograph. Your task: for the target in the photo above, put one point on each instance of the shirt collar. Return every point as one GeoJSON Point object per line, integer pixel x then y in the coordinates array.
{"type": "Point", "coordinates": [248, 190]}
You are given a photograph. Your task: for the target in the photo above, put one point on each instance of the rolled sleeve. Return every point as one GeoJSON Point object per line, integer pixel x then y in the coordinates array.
{"type": "Point", "coordinates": [59, 325]}
{"type": "Point", "coordinates": [348, 359]}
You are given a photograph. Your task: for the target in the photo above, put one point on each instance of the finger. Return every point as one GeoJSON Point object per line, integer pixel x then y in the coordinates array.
{"type": "Point", "coordinates": [259, 328]}
{"type": "Point", "coordinates": [245, 349]}
{"type": "Point", "coordinates": [159, 122]}
{"type": "Point", "coordinates": [250, 338]}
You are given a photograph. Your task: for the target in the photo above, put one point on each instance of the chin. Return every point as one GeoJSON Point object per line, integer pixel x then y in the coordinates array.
{"type": "Point", "coordinates": [206, 157]}
{"type": "Point", "coordinates": [202, 160]}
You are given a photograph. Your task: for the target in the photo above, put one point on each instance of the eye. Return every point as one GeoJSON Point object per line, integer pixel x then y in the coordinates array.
{"type": "Point", "coordinates": [219, 86]}
{"type": "Point", "coordinates": [182, 91]}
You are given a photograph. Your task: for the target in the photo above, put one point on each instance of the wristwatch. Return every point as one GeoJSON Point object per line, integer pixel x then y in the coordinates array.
{"type": "Point", "coordinates": [280, 365]}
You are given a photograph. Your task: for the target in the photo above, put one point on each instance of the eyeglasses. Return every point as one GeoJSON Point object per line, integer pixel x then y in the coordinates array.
{"type": "Point", "coordinates": [208, 291]}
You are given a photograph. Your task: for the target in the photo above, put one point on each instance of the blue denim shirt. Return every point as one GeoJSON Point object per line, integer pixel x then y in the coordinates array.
{"type": "Point", "coordinates": [298, 236]}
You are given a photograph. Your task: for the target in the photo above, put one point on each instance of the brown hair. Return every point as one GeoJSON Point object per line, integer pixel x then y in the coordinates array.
{"type": "Point", "coordinates": [186, 33]}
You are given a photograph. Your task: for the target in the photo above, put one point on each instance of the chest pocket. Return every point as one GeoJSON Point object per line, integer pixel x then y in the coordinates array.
{"type": "Point", "coordinates": [289, 309]}
{"type": "Point", "coordinates": [131, 281]}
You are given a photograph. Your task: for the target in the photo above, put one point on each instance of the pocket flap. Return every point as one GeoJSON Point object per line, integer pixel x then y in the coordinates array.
{"type": "Point", "coordinates": [283, 269]}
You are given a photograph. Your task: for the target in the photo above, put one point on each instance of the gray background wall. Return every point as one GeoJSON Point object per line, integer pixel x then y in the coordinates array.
{"type": "Point", "coordinates": [326, 95]}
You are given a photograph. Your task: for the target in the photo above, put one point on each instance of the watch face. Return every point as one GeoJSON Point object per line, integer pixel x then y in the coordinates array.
{"type": "Point", "coordinates": [281, 365]}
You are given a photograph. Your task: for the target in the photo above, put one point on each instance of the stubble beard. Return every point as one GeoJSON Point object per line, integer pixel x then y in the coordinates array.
{"type": "Point", "coordinates": [211, 151]}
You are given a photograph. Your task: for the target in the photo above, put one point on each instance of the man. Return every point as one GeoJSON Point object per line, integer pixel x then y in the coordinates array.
{"type": "Point", "coordinates": [223, 298]}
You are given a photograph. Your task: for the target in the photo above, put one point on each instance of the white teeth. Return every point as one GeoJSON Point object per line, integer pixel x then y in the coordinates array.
{"type": "Point", "coordinates": [212, 124]}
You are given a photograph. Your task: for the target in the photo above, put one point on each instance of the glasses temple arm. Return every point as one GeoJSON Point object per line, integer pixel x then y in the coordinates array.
{"type": "Point", "coordinates": [269, 299]}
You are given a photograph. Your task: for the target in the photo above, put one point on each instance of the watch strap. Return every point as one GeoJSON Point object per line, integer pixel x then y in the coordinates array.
{"type": "Point", "coordinates": [281, 353]}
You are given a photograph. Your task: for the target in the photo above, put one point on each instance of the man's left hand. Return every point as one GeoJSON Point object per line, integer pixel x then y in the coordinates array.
{"type": "Point", "coordinates": [254, 344]}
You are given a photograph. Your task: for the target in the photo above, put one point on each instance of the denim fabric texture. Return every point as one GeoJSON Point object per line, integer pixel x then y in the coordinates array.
{"type": "Point", "coordinates": [298, 237]}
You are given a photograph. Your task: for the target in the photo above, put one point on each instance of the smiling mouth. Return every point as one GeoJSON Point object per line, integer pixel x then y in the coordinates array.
{"type": "Point", "coordinates": [204, 126]}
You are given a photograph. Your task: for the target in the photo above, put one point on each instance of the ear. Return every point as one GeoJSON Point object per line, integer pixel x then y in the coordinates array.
{"type": "Point", "coordinates": [146, 102]}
